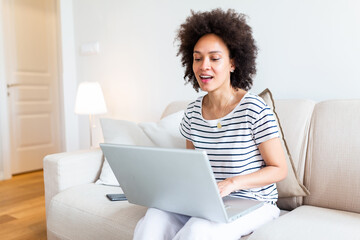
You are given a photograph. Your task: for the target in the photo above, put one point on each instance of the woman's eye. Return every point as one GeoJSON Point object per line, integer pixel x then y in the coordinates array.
{"type": "Point", "coordinates": [216, 59]}
{"type": "Point", "coordinates": [197, 59]}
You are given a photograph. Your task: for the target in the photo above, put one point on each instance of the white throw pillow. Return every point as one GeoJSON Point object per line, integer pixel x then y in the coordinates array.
{"type": "Point", "coordinates": [107, 176]}
{"type": "Point", "coordinates": [164, 133]}
{"type": "Point", "coordinates": [123, 132]}
{"type": "Point", "coordinates": [120, 132]}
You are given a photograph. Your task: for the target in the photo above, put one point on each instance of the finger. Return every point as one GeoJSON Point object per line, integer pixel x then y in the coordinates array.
{"type": "Point", "coordinates": [221, 194]}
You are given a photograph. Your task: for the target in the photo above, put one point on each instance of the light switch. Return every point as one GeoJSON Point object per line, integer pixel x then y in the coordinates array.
{"type": "Point", "coordinates": [90, 48]}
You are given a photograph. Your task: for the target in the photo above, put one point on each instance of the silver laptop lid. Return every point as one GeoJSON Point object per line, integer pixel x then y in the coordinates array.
{"type": "Point", "coordinates": [175, 180]}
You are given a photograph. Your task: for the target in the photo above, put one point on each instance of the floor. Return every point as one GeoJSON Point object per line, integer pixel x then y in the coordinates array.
{"type": "Point", "coordinates": [22, 207]}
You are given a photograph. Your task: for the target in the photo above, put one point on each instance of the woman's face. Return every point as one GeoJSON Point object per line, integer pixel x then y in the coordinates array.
{"type": "Point", "coordinates": [212, 64]}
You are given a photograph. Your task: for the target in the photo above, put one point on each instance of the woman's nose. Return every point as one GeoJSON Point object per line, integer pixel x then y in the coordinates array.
{"type": "Point", "coordinates": [205, 65]}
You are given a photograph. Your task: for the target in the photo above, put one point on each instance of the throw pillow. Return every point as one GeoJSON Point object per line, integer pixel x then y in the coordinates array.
{"type": "Point", "coordinates": [120, 132]}
{"type": "Point", "coordinates": [291, 186]}
{"type": "Point", "coordinates": [164, 133]}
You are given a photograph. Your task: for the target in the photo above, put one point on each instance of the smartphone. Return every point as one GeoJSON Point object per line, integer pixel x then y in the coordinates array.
{"type": "Point", "coordinates": [116, 197]}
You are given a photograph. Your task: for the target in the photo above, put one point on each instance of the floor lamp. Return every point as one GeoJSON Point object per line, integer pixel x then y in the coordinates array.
{"type": "Point", "coordinates": [90, 101]}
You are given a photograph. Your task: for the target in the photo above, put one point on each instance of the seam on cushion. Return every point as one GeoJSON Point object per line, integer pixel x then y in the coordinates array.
{"type": "Point", "coordinates": [307, 148]}
{"type": "Point", "coordinates": [308, 159]}
{"type": "Point", "coordinates": [305, 144]}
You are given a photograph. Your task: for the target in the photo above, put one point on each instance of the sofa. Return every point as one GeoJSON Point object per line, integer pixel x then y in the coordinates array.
{"type": "Point", "coordinates": [322, 139]}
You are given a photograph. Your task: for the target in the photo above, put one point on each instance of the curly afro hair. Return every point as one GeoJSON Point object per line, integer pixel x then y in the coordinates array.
{"type": "Point", "coordinates": [232, 28]}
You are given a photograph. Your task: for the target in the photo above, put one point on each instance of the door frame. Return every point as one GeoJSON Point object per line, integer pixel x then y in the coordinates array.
{"type": "Point", "coordinates": [5, 168]}
{"type": "Point", "coordinates": [67, 74]}
{"type": "Point", "coordinates": [5, 137]}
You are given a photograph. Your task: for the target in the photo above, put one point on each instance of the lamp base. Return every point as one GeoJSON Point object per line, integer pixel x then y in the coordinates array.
{"type": "Point", "coordinates": [90, 128]}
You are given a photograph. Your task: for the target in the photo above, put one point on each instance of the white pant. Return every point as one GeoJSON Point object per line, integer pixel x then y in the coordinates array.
{"type": "Point", "coordinates": [162, 225]}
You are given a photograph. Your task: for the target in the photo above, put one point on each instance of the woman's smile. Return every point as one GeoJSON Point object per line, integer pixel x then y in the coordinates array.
{"type": "Point", "coordinates": [205, 78]}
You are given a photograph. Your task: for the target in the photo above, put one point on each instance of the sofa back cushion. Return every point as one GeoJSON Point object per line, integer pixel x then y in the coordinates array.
{"type": "Point", "coordinates": [295, 116]}
{"type": "Point", "coordinates": [291, 186]}
{"type": "Point", "coordinates": [333, 157]}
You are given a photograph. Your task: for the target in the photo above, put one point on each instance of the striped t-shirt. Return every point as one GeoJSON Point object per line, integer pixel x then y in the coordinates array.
{"type": "Point", "coordinates": [233, 148]}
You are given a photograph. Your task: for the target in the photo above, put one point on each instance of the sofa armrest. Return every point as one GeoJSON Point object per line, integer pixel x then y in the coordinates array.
{"type": "Point", "coordinates": [68, 169]}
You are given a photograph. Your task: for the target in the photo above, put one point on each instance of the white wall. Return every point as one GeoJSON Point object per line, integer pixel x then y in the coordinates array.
{"type": "Point", "coordinates": [307, 49]}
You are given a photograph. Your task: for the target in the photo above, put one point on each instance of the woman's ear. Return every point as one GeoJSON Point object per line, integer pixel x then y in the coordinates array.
{"type": "Point", "coordinates": [232, 62]}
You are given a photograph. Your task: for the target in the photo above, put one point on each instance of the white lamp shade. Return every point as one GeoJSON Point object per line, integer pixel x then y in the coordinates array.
{"type": "Point", "coordinates": [90, 99]}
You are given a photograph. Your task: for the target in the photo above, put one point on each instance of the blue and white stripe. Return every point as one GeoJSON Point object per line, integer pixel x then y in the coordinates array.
{"type": "Point", "coordinates": [233, 149]}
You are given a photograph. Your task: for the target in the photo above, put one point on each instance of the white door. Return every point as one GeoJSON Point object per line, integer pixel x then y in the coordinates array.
{"type": "Point", "coordinates": [33, 82]}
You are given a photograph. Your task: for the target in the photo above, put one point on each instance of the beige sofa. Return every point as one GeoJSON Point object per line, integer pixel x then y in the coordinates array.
{"type": "Point", "coordinates": [323, 139]}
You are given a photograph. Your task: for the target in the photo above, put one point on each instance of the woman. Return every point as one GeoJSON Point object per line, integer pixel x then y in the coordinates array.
{"type": "Point", "coordinates": [236, 128]}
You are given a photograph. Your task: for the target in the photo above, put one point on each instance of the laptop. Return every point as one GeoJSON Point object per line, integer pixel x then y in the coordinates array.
{"type": "Point", "coordinates": [174, 180]}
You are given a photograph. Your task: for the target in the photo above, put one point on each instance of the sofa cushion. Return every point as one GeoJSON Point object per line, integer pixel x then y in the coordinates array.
{"type": "Point", "coordinates": [291, 186]}
{"type": "Point", "coordinates": [308, 222]}
{"type": "Point", "coordinates": [332, 167]}
{"type": "Point", "coordinates": [84, 212]}
{"type": "Point", "coordinates": [295, 116]}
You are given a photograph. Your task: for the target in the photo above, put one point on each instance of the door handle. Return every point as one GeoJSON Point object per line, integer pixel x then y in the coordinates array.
{"type": "Point", "coordinates": [13, 85]}
{"type": "Point", "coordinates": [10, 85]}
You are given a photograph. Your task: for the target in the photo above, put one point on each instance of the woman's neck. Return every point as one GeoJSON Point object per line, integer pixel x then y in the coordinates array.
{"type": "Point", "coordinates": [224, 99]}
{"type": "Point", "coordinates": [216, 106]}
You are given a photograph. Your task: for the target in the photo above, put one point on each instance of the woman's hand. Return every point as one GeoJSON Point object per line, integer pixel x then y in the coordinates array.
{"type": "Point", "coordinates": [226, 187]}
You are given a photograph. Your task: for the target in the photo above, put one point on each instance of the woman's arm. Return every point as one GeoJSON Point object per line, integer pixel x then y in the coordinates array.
{"type": "Point", "coordinates": [189, 145]}
{"type": "Point", "coordinates": [275, 170]}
